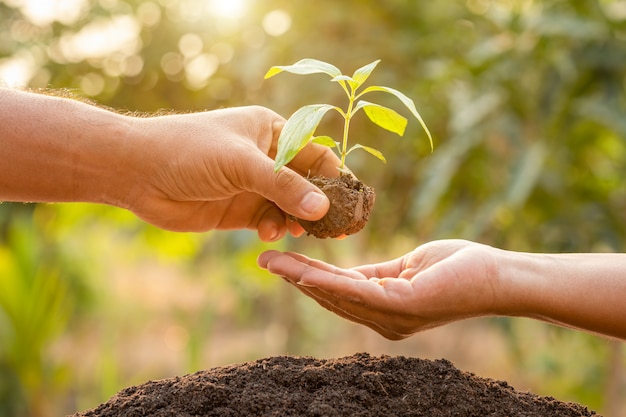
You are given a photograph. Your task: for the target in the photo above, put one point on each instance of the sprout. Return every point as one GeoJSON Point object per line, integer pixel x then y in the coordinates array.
{"type": "Point", "coordinates": [300, 128]}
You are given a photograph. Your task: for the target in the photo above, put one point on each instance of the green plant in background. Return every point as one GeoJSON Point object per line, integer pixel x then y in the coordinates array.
{"type": "Point", "coordinates": [39, 293]}
{"type": "Point", "coordinates": [301, 126]}
{"type": "Point", "coordinates": [529, 101]}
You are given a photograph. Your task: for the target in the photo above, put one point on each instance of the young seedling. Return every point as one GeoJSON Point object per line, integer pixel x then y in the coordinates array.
{"type": "Point", "coordinates": [301, 126]}
{"type": "Point", "coordinates": [351, 200]}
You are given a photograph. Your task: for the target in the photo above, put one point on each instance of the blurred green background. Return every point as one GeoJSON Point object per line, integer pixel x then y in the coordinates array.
{"type": "Point", "coordinates": [525, 100]}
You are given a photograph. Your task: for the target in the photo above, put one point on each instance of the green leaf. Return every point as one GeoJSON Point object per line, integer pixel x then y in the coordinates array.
{"type": "Point", "coordinates": [298, 131]}
{"type": "Point", "coordinates": [378, 154]}
{"type": "Point", "coordinates": [361, 75]}
{"type": "Point", "coordinates": [304, 67]}
{"type": "Point", "coordinates": [341, 79]}
{"type": "Point", "coordinates": [406, 101]}
{"type": "Point", "coordinates": [383, 116]}
{"type": "Point", "coordinates": [324, 140]}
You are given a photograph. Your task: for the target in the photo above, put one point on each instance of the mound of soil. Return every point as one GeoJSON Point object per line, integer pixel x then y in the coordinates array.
{"type": "Point", "coordinates": [358, 385]}
{"type": "Point", "coordinates": [351, 202]}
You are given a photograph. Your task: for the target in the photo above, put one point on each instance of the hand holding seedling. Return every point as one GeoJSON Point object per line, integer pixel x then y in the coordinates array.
{"type": "Point", "coordinates": [186, 172]}
{"type": "Point", "coordinates": [449, 280]}
{"type": "Point", "coordinates": [214, 172]}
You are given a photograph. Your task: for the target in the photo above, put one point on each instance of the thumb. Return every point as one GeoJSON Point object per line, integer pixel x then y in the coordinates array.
{"type": "Point", "coordinates": [295, 195]}
{"type": "Point", "coordinates": [291, 192]}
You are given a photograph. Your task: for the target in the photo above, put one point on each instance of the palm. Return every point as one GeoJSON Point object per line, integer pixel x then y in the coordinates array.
{"type": "Point", "coordinates": [435, 284]}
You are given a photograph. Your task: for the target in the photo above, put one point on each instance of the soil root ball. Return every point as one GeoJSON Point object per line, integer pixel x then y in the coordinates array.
{"type": "Point", "coordinates": [351, 202]}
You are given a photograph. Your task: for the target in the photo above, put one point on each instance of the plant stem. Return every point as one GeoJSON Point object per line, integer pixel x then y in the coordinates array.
{"type": "Point", "coordinates": [346, 127]}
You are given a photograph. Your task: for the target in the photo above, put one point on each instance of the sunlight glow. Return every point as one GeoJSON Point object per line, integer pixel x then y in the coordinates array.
{"type": "Point", "coordinates": [190, 45]}
{"type": "Point", "coordinates": [277, 22]}
{"type": "Point", "coordinates": [45, 12]}
{"type": "Point", "coordinates": [199, 69]}
{"type": "Point", "coordinates": [231, 9]}
{"type": "Point", "coordinates": [17, 70]}
{"type": "Point", "coordinates": [101, 38]}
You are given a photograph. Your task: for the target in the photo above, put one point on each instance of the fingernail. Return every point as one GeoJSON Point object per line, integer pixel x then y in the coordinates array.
{"type": "Point", "coordinates": [312, 202]}
{"type": "Point", "coordinates": [274, 234]}
{"type": "Point", "coordinates": [302, 284]}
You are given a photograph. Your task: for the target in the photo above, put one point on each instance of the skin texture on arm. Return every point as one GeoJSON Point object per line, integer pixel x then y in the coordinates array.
{"type": "Point", "coordinates": [450, 280]}
{"type": "Point", "coordinates": [181, 172]}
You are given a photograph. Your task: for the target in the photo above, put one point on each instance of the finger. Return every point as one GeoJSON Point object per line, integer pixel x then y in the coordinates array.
{"type": "Point", "coordinates": [315, 159]}
{"type": "Point", "coordinates": [331, 306]}
{"type": "Point", "coordinates": [389, 302]}
{"type": "Point", "coordinates": [312, 160]}
{"type": "Point", "coordinates": [316, 264]}
{"type": "Point", "coordinates": [271, 226]}
{"type": "Point", "coordinates": [373, 312]}
{"type": "Point", "coordinates": [277, 127]}
{"type": "Point", "coordinates": [351, 290]}
{"type": "Point", "coordinates": [313, 273]}
{"type": "Point", "coordinates": [294, 228]}
{"type": "Point", "coordinates": [266, 256]}
{"type": "Point", "coordinates": [391, 268]}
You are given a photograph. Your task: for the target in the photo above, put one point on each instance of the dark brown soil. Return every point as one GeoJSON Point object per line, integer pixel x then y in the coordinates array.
{"type": "Point", "coordinates": [359, 385]}
{"type": "Point", "coordinates": [350, 204]}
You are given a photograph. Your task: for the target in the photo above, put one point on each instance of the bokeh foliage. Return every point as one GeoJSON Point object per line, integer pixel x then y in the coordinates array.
{"type": "Point", "coordinates": [525, 100]}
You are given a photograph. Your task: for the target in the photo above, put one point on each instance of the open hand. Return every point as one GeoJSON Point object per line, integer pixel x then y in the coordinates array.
{"type": "Point", "coordinates": [436, 283]}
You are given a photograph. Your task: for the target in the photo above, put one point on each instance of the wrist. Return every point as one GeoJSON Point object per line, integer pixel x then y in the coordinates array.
{"type": "Point", "coordinates": [533, 284]}
{"type": "Point", "coordinates": [106, 150]}
{"type": "Point", "coordinates": [124, 163]}
{"type": "Point", "coordinates": [515, 282]}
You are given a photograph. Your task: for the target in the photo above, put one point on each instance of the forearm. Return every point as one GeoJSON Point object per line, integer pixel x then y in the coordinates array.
{"type": "Point", "coordinates": [55, 149]}
{"type": "Point", "coordinates": [584, 291]}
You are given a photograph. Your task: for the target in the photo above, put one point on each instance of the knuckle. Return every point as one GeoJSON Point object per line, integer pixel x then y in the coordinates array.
{"type": "Point", "coordinates": [262, 115]}
{"type": "Point", "coordinates": [287, 180]}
